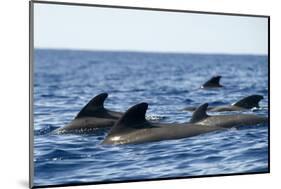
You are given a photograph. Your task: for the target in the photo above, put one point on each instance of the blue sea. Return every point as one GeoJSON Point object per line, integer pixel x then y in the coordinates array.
{"type": "Point", "coordinates": [65, 80]}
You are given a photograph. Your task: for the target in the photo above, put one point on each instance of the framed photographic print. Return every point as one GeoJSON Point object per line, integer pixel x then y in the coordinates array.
{"type": "Point", "coordinates": [124, 94]}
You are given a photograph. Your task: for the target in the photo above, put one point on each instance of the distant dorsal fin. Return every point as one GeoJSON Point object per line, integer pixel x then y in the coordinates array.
{"type": "Point", "coordinates": [134, 117]}
{"type": "Point", "coordinates": [249, 102]}
{"type": "Point", "coordinates": [200, 113]}
{"type": "Point", "coordinates": [213, 82]}
{"type": "Point", "coordinates": [95, 104]}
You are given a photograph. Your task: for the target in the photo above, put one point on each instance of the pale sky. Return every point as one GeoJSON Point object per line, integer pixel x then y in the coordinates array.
{"type": "Point", "coordinates": [95, 28]}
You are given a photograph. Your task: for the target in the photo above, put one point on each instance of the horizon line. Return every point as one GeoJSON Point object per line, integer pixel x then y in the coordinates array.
{"type": "Point", "coordinates": [147, 51]}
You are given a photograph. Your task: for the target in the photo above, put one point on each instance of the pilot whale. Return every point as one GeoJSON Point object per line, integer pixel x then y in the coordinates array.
{"type": "Point", "coordinates": [200, 117]}
{"type": "Point", "coordinates": [133, 128]}
{"type": "Point", "coordinates": [214, 82]}
{"type": "Point", "coordinates": [92, 116]}
{"type": "Point", "coordinates": [243, 104]}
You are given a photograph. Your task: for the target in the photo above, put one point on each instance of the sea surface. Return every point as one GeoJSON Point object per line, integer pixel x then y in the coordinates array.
{"type": "Point", "coordinates": [65, 80]}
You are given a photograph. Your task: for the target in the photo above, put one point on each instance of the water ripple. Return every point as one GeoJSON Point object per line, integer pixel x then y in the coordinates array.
{"type": "Point", "coordinates": [168, 82]}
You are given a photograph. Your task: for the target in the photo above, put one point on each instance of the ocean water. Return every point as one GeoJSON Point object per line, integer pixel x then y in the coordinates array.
{"type": "Point", "coordinates": [64, 81]}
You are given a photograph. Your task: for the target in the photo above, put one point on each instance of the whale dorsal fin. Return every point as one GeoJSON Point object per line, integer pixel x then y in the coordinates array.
{"type": "Point", "coordinates": [133, 118]}
{"type": "Point", "coordinates": [95, 104]}
{"type": "Point", "coordinates": [200, 113]}
{"type": "Point", "coordinates": [213, 82]}
{"type": "Point", "coordinates": [249, 102]}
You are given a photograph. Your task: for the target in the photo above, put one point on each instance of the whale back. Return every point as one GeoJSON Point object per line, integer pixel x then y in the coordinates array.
{"type": "Point", "coordinates": [94, 106]}
{"type": "Point", "coordinates": [213, 82]}
{"type": "Point", "coordinates": [249, 102]}
{"type": "Point", "coordinates": [200, 113]}
{"type": "Point", "coordinates": [134, 118]}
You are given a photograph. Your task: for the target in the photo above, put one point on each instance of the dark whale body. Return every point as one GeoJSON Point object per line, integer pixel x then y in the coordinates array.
{"type": "Point", "coordinates": [200, 117]}
{"type": "Point", "coordinates": [214, 82]}
{"type": "Point", "coordinates": [244, 104]}
{"type": "Point", "coordinates": [92, 116]}
{"type": "Point", "coordinates": [133, 128]}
